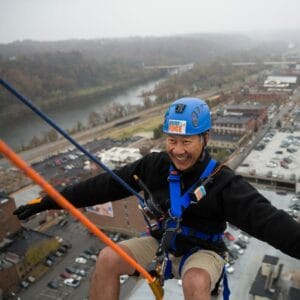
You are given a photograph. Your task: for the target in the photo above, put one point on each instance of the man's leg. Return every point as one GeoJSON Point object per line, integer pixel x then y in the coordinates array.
{"type": "Point", "coordinates": [200, 273]}
{"type": "Point", "coordinates": [105, 283]}
{"type": "Point", "coordinates": [196, 284]}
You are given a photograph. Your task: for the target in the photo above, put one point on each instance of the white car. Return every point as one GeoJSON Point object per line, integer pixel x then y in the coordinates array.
{"type": "Point", "coordinates": [76, 277]}
{"type": "Point", "coordinates": [243, 238]}
{"type": "Point", "coordinates": [71, 282]}
{"type": "Point", "coordinates": [238, 248]}
{"type": "Point", "coordinates": [123, 278]}
{"type": "Point", "coordinates": [81, 260]}
{"type": "Point", "coordinates": [94, 257]}
{"type": "Point", "coordinates": [271, 164]}
{"type": "Point", "coordinates": [229, 269]}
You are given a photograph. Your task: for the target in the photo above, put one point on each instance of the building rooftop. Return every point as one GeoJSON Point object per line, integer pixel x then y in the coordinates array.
{"type": "Point", "coordinates": [269, 259]}
{"type": "Point", "coordinates": [231, 120]}
{"type": "Point", "coordinates": [258, 287]}
{"type": "Point", "coordinates": [252, 106]}
{"type": "Point", "coordinates": [282, 79]}
{"type": "Point", "coordinates": [24, 239]}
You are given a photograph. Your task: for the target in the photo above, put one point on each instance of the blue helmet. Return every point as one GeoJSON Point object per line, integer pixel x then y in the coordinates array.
{"type": "Point", "coordinates": [187, 116]}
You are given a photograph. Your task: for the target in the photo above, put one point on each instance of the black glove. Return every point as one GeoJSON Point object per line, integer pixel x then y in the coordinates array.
{"type": "Point", "coordinates": [25, 211]}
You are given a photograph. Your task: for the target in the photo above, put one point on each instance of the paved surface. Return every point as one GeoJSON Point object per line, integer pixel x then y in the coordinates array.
{"type": "Point", "coordinates": [258, 159]}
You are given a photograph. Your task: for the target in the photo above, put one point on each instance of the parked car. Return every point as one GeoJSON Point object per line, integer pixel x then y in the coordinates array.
{"type": "Point", "coordinates": [86, 256]}
{"type": "Point", "coordinates": [238, 248]}
{"type": "Point", "coordinates": [271, 164]}
{"type": "Point", "coordinates": [71, 282]}
{"type": "Point", "coordinates": [67, 245]}
{"type": "Point", "coordinates": [284, 164]}
{"type": "Point", "coordinates": [243, 238]}
{"type": "Point", "coordinates": [71, 270]}
{"type": "Point", "coordinates": [24, 284]}
{"type": "Point", "coordinates": [241, 243]}
{"type": "Point", "coordinates": [53, 285]}
{"type": "Point", "coordinates": [81, 260]}
{"type": "Point", "coordinates": [80, 272]}
{"type": "Point", "coordinates": [94, 257]}
{"type": "Point", "coordinates": [233, 253]}
{"type": "Point", "coordinates": [228, 268]}
{"type": "Point", "coordinates": [123, 278]}
{"type": "Point", "coordinates": [229, 236]}
{"type": "Point", "coordinates": [31, 279]}
{"type": "Point", "coordinates": [65, 275]}
{"type": "Point", "coordinates": [75, 276]}
{"type": "Point", "coordinates": [48, 263]}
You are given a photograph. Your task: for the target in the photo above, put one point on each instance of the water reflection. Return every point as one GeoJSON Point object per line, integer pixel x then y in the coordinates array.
{"type": "Point", "coordinates": [20, 132]}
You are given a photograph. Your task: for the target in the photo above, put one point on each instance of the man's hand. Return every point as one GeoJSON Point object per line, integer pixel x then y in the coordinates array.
{"type": "Point", "coordinates": [31, 208]}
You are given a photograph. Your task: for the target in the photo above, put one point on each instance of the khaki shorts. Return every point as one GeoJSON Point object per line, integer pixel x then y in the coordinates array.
{"type": "Point", "coordinates": [144, 249]}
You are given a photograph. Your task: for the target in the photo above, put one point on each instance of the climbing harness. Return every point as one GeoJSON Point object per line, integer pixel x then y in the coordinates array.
{"type": "Point", "coordinates": [170, 224]}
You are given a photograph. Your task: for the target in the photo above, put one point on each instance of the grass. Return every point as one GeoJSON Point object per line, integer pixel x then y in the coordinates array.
{"type": "Point", "coordinates": [146, 125]}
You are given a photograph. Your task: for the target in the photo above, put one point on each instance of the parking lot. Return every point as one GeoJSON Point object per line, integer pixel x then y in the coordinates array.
{"type": "Point", "coordinates": [277, 155]}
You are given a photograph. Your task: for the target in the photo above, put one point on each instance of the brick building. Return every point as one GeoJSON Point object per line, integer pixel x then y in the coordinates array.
{"type": "Point", "coordinates": [234, 124]}
{"type": "Point", "coordinates": [267, 97]}
{"type": "Point", "coordinates": [256, 111]}
{"type": "Point", "coordinates": [225, 141]}
{"type": "Point", "coordinates": [8, 225]}
{"type": "Point", "coordinates": [121, 216]}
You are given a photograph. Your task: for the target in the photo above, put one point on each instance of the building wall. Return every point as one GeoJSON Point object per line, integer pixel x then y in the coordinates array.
{"type": "Point", "coordinates": [8, 278]}
{"type": "Point", "coordinates": [8, 224]}
{"type": "Point", "coordinates": [245, 128]}
{"type": "Point", "coordinates": [127, 218]}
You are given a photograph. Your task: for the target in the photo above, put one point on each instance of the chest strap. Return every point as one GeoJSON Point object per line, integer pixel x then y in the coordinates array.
{"type": "Point", "coordinates": [180, 202]}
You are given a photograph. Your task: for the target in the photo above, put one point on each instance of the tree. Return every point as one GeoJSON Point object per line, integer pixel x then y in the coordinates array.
{"type": "Point", "coordinates": [94, 119]}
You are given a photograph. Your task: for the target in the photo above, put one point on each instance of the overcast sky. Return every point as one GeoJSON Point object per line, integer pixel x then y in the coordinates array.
{"type": "Point", "coordinates": [65, 19]}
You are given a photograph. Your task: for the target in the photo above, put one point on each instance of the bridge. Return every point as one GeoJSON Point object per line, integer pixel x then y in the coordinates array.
{"type": "Point", "coordinates": [185, 67]}
{"type": "Point", "coordinates": [266, 63]}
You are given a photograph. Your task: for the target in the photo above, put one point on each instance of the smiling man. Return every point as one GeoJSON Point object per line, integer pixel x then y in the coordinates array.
{"type": "Point", "coordinates": [190, 196]}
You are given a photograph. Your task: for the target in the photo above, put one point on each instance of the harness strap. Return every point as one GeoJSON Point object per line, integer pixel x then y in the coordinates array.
{"type": "Point", "coordinates": [180, 202]}
{"type": "Point", "coordinates": [188, 231]}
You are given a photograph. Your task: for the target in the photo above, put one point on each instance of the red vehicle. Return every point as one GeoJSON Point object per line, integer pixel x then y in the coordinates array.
{"type": "Point", "coordinates": [229, 236]}
{"type": "Point", "coordinates": [65, 275]}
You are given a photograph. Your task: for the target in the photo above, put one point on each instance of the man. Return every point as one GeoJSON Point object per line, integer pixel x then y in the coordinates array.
{"type": "Point", "coordinates": [191, 195]}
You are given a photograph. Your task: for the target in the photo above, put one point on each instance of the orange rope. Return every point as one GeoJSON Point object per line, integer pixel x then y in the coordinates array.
{"type": "Point", "coordinates": [62, 202]}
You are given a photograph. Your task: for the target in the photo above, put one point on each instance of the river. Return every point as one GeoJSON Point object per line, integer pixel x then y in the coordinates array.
{"type": "Point", "coordinates": [19, 132]}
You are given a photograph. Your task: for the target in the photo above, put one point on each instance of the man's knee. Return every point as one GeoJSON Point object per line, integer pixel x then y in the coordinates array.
{"type": "Point", "coordinates": [107, 257]}
{"type": "Point", "coordinates": [196, 279]}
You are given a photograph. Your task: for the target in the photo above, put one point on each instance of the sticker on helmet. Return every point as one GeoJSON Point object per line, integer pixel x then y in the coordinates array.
{"type": "Point", "coordinates": [195, 119]}
{"type": "Point", "coordinates": [177, 126]}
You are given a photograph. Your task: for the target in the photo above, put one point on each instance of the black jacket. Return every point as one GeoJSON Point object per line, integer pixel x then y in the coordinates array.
{"type": "Point", "coordinates": [229, 198]}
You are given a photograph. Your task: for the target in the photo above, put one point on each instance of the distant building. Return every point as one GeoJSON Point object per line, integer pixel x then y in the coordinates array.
{"type": "Point", "coordinates": [9, 225]}
{"type": "Point", "coordinates": [281, 83]}
{"type": "Point", "coordinates": [257, 111]}
{"type": "Point", "coordinates": [234, 124]}
{"type": "Point", "coordinates": [265, 284]}
{"type": "Point", "coordinates": [267, 97]}
{"type": "Point", "coordinates": [225, 141]}
{"type": "Point", "coordinates": [124, 215]}
{"type": "Point", "coordinates": [20, 249]}
{"type": "Point", "coordinates": [117, 157]}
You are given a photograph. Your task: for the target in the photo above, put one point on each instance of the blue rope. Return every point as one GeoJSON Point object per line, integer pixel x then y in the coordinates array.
{"type": "Point", "coordinates": [35, 109]}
